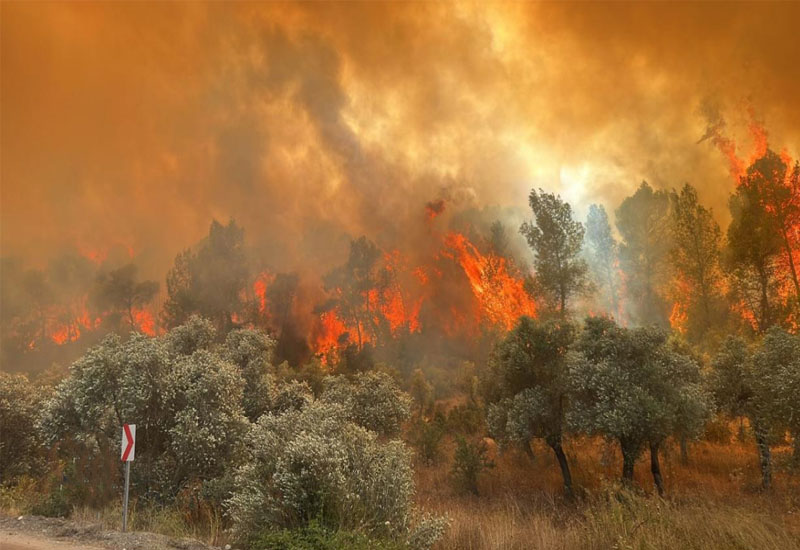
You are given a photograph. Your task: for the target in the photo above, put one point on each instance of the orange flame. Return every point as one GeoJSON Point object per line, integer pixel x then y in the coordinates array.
{"type": "Point", "coordinates": [144, 322]}
{"type": "Point", "coordinates": [502, 297]}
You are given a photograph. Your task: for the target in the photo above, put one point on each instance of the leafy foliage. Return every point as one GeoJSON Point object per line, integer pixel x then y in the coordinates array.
{"type": "Point", "coordinates": [695, 256]}
{"type": "Point", "coordinates": [372, 400]}
{"type": "Point", "coordinates": [20, 445]}
{"type": "Point", "coordinates": [630, 385]}
{"type": "Point", "coordinates": [469, 461]}
{"type": "Point", "coordinates": [251, 351]}
{"type": "Point", "coordinates": [207, 281]}
{"type": "Point", "coordinates": [530, 369]}
{"type": "Point", "coordinates": [763, 209]}
{"type": "Point", "coordinates": [315, 464]}
{"type": "Point", "coordinates": [316, 537]}
{"type": "Point", "coordinates": [184, 398]}
{"type": "Point", "coordinates": [556, 241]}
{"type": "Point", "coordinates": [761, 384]}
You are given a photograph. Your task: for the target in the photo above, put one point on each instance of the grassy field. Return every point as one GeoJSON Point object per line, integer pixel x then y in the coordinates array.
{"type": "Point", "coordinates": [714, 502]}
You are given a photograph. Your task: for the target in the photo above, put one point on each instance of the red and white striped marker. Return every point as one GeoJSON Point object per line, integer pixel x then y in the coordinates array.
{"type": "Point", "coordinates": [128, 452]}
{"type": "Point", "coordinates": [128, 442]}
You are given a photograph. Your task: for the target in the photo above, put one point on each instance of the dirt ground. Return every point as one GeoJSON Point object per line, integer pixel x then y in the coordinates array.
{"type": "Point", "coordinates": [38, 533]}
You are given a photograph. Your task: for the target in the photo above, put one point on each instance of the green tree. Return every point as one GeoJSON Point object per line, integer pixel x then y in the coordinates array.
{"type": "Point", "coordinates": [630, 385]}
{"type": "Point", "coordinates": [777, 363]}
{"type": "Point", "coordinates": [643, 223]}
{"type": "Point", "coordinates": [209, 279]}
{"type": "Point", "coordinates": [556, 241]}
{"type": "Point", "coordinates": [469, 461]}
{"type": "Point", "coordinates": [603, 252]}
{"type": "Point", "coordinates": [695, 257]}
{"type": "Point", "coordinates": [530, 370]}
{"type": "Point", "coordinates": [759, 383]}
{"type": "Point", "coordinates": [120, 292]}
{"type": "Point", "coordinates": [20, 444]}
{"type": "Point", "coordinates": [185, 400]}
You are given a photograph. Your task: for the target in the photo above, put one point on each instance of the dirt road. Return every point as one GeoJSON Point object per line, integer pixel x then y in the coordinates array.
{"type": "Point", "coordinates": [38, 533]}
{"type": "Point", "coordinates": [19, 541]}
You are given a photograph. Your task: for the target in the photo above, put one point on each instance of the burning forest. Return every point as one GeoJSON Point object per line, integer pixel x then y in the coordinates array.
{"type": "Point", "coordinates": [391, 267]}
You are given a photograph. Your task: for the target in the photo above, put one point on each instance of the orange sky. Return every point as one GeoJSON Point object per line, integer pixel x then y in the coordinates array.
{"type": "Point", "coordinates": [132, 125]}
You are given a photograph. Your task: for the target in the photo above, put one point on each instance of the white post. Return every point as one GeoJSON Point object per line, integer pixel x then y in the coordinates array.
{"type": "Point", "coordinates": [125, 498]}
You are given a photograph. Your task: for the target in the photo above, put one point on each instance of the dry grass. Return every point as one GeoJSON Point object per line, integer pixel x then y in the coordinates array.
{"type": "Point", "coordinates": [164, 520]}
{"type": "Point", "coordinates": [712, 503]}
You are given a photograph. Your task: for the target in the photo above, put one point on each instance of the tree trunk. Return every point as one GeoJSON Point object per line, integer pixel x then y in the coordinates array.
{"type": "Point", "coordinates": [764, 459]}
{"type": "Point", "coordinates": [792, 269]}
{"type": "Point", "coordinates": [684, 443]}
{"type": "Point", "coordinates": [796, 448]}
{"type": "Point", "coordinates": [562, 461]}
{"type": "Point", "coordinates": [765, 309]}
{"type": "Point", "coordinates": [655, 468]}
{"type": "Point", "coordinates": [628, 462]}
{"type": "Point", "coordinates": [526, 446]}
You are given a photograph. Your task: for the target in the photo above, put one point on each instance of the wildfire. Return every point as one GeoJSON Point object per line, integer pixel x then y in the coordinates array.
{"type": "Point", "coordinates": [434, 208]}
{"type": "Point", "coordinates": [144, 322]}
{"type": "Point", "coordinates": [71, 330]}
{"type": "Point", "coordinates": [679, 316]}
{"type": "Point", "coordinates": [260, 286]}
{"type": "Point", "coordinates": [502, 297]}
{"type": "Point", "coordinates": [330, 333]}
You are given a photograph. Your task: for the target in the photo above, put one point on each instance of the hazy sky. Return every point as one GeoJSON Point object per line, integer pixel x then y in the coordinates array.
{"type": "Point", "coordinates": [132, 125]}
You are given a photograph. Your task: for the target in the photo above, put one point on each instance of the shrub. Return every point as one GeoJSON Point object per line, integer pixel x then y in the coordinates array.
{"type": "Point", "coordinates": [427, 436]}
{"type": "Point", "coordinates": [421, 390]}
{"type": "Point", "coordinates": [717, 430]}
{"type": "Point", "coordinates": [184, 398]}
{"type": "Point", "coordinates": [372, 400]}
{"type": "Point", "coordinates": [20, 446]}
{"type": "Point", "coordinates": [465, 419]}
{"type": "Point", "coordinates": [469, 462]}
{"type": "Point", "coordinates": [315, 464]}
{"type": "Point", "coordinates": [292, 395]}
{"type": "Point", "coordinates": [251, 351]}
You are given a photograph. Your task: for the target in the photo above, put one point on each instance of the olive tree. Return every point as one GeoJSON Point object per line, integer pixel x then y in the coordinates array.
{"type": "Point", "coordinates": [761, 383]}
{"type": "Point", "coordinates": [184, 398]}
{"type": "Point", "coordinates": [632, 386]}
{"type": "Point", "coordinates": [20, 402]}
{"type": "Point", "coordinates": [777, 364]}
{"type": "Point", "coordinates": [530, 370]}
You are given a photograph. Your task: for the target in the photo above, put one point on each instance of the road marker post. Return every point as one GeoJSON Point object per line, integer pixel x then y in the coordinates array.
{"type": "Point", "coordinates": [128, 452]}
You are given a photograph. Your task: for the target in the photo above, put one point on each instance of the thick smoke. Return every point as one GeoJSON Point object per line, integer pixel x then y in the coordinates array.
{"type": "Point", "coordinates": [129, 127]}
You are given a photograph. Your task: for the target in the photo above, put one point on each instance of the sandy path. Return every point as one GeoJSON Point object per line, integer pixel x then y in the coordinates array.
{"type": "Point", "coordinates": [19, 541]}
{"type": "Point", "coordinates": [39, 533]}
